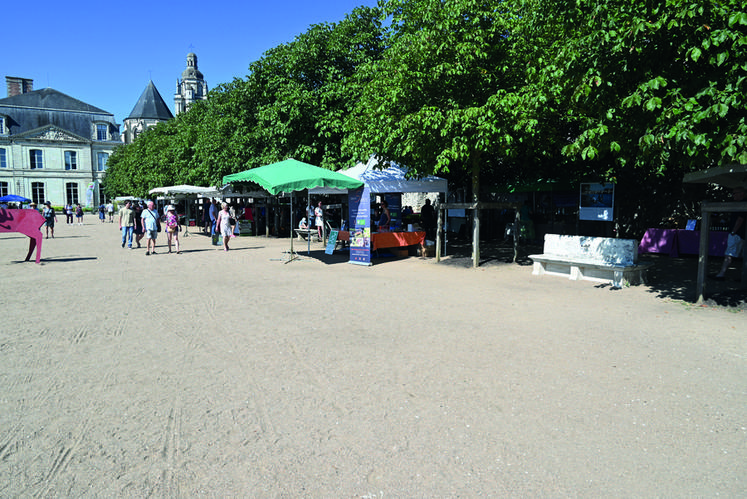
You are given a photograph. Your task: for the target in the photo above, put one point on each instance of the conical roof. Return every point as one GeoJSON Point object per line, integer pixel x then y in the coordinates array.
{"type": "Point", "coordinates": [151, 106]}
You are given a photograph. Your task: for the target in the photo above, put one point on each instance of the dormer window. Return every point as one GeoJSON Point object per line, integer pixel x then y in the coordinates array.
{"type": "Point", "coordinates": [3, 125]}
{"type": "Point", "coordinates": [102, 131]}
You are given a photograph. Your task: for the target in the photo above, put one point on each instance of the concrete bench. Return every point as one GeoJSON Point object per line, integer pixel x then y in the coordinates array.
{"type": "Point", "coordinates": [600, 259]}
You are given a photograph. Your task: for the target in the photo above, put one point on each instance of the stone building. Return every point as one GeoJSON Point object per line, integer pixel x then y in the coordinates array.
{"type": "Point", "coordinates": [53, 147]}
{"type": "Point", "coordinates": [149, 111]}
{"type": "Point", "coordinates": [191, 87]}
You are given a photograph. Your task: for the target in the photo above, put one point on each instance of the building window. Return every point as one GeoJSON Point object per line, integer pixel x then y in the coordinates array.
{"type": "Point", "coordinates": [3, 158]}
{"type": "Point", "coordinates": [37, 193]}
{"type": "Point", "coordinates": [2, 125]}
{"type": "Point", "coordinates": [101, 131]}
{"type": "Point", "coordinates": [102, 159]}
{"type": "Point", "coordinates": [71, 191]}
{"type": "Point", "coordinates": [37, 162]}
{"type": "Point", "coordinates": [71, 160]}
{"type": "Point", "coordinates": [3, 189]}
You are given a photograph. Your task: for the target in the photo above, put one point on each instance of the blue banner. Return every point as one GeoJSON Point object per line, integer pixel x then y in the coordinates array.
{"type": "Point", "coordinates": [394, 203]}
{"type": "Point", "coordinates": [359, 202]}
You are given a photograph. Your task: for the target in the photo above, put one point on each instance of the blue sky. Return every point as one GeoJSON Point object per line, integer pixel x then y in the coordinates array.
{"type": "Point", "coordinates": [104, 53]}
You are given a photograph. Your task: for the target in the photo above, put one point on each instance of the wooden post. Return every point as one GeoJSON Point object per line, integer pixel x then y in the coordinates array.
{"type": "Point", "coordinates": [439, 228]}
{"type": "Point", "coordinates": [476, 238]}
{"type": "Point", "coordinates": [517, 227]}
{"type": "Point", "coordinates": [705, 226]}
{"type": "Point", "coordinates": [267, 218]}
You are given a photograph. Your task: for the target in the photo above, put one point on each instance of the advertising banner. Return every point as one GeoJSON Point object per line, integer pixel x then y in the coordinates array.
{"type": "Point", "coordinates": [359, 202]}
{"type": "Point", "coordinates": [89, 194]}
{"type": "Point", "coordinates": [394, 202]}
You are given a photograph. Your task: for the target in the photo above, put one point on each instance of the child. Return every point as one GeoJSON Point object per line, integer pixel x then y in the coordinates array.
{"type": "Point", "coordinates": [172, 227]}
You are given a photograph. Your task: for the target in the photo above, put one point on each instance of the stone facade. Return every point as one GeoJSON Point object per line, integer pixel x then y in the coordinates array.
{"type": "Point", "coordinates": [53, 147]}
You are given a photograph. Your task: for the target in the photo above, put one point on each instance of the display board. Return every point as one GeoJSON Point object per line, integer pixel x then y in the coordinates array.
{"type": "Point", "coordinates": [331, 242]}
{"type": "Point", "coordinates": [394, 202]}
{"type": "Point", "coordinates": [597, 202]}
{"type": "Point", "coordinates": [359, 202]}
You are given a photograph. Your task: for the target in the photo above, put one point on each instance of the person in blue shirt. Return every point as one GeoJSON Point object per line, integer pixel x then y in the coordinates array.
{"type": "Point", "coordinates": [150, 226]}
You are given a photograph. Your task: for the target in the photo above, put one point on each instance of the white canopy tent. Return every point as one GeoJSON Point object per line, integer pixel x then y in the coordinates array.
{"type": "Point", "coordinates": [391, 179]}
{"type": "Point", "coordinates": [185, 192]}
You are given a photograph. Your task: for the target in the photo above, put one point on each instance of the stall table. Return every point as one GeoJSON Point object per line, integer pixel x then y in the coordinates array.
{"type": "Point", "coordinates": [675, 242]}
{"type": "Point", "coordinates": [380, 240]}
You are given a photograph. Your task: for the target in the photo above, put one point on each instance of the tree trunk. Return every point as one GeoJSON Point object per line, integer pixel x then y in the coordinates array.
{"type": "Point", "coordinates": [475, 167]}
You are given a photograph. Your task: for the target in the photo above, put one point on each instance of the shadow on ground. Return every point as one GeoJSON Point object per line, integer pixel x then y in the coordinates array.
{"type": "Point", "coordinates": [669, 278]}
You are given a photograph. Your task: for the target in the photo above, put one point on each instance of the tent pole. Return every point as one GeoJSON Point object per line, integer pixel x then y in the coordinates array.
{"type": "Point", "coordinates": [292, 255]}
{"type": "Point", "coordinates": [308, 222]}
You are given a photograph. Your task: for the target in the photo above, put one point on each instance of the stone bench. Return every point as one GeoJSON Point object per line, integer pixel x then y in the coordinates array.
{"type": "Point", "coordinates": [600, 259]}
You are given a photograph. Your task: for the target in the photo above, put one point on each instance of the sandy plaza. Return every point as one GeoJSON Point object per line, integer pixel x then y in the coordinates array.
{"type": "Point", "coordinates": [234, 374]}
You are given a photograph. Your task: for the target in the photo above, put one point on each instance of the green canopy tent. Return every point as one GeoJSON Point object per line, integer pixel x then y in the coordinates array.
{"type": "Point", "coordinates": [292, 175]}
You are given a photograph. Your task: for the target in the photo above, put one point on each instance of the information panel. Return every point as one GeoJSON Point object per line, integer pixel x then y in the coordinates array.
{"type": "Point", "coordinates": [331, 242]}
{"type": "Point", "coordinates": [394, 202]}
{"type": "Point", "coordinates": [359, 202]}
{"type": "Point", "coordinates": [597, 202]}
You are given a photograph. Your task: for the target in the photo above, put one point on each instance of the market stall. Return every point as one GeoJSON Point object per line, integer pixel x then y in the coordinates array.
{"type": "Point", "coordinates": [729, 176]}
{"type": "Point", "coordinates": [289, 176]}
{"type": "Point", "coordinates": [185, 192]}
{"type": "Point", "coordinates": [390, 183]}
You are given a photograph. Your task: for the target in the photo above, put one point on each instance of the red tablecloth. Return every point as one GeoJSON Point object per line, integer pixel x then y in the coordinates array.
{"type": "Point", "coordinates": [677, 241]}
{"type": "Point", "coordinates": [396, 239]}
{"type": "Point", "coordinates": [388, 239]}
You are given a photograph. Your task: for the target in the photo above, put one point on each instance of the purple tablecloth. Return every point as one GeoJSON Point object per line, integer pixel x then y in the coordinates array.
{"type": "Point", "coordinates": [677, 241]}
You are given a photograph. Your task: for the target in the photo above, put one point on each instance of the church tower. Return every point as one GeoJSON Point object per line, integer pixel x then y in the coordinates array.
{"type": "Point", "coordinates": [191, 87]}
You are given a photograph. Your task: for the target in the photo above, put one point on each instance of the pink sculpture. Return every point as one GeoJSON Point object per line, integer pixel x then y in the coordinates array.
{"type": "Point", "coordinates": [27, 222]}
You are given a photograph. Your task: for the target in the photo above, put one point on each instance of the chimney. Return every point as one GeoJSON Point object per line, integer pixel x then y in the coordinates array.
{"type": "Point", "coordinates": [18, 86]}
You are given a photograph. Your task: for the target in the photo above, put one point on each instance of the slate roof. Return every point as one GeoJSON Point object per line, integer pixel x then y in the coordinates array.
{"type": "Point", "coordinates": [42, 108]}
{"type": "Point", "coordinates": [151, 106]}
{"type": "Point", "coordinates": [50, 99]}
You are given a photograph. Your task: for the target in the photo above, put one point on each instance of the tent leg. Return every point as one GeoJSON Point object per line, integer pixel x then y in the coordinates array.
{"type": "Point", "coordinates": [292, 256]}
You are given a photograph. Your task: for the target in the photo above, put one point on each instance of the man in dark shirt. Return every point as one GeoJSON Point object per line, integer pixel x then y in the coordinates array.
{"type": "Point", "coordinates": [428, 219]}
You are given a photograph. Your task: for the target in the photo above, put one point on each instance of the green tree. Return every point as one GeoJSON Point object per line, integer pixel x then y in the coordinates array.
{"type": "Point", "coordinates": [655, 86]}
{"type": "Point", "coordinates": [303, 91]}
{"type": "Point", "coordinates": [444, 94]}
{"type": "Point", "coordinates": [643, 91]}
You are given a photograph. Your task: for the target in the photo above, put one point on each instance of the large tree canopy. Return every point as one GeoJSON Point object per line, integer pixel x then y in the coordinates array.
{"type": "Point", "coordinates": [443, 94]}
{"type": "Point", "coordinates": [653, 85]}
{"type": "Point", "coordinates": [628, 91]}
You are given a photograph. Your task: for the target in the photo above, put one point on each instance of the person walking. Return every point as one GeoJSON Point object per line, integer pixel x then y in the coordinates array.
{"type": "Point", "coordinates": [68, 211]}
{"type": "Point", "coordinates": [127, 224]}
{"type": "Point", "coordinates": [172, 228]}
{"type": "Point", "coordinates": [213, 212]}
{"type": "Point", "coordinates": [319, 220]}
{"type": "Point", "coordinates": [139, 233]}
{"type": "Point", "coordinates": [79, 214]}
{"type": "Point", "coordinates": [102, 212]}
{"type": "Point", "coordinates": [150, 225]}
{"type": "Point", "coordinates": [50, 217]}
{"type": "Point", "coordinates": [110, 211]}
{"type": "Point", "coordinates": [223, 223]}
{"type": "Point", "coordinates": [735, 239]}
